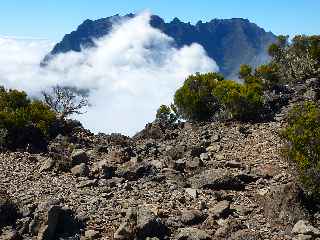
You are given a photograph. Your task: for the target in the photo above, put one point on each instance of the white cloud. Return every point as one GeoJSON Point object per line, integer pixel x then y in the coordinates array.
{"type": "Point", "coordinates": [130, 73]}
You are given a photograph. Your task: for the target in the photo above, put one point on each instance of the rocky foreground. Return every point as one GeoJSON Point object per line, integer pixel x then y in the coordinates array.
{"type": "Point", "coordinates": [185, 182]}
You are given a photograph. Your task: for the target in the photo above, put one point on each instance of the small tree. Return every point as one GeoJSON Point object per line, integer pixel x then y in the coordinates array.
{"type": "Point", "coordinates": [65, 101]}
{"type": "Point", "coordinates": [166, 115]}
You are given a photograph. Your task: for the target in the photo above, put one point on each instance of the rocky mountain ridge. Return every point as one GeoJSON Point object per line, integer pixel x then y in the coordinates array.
{"type": "Point", "coordinates": [218, 180]}
{"type": "Point", "coordinates": [230, 42]}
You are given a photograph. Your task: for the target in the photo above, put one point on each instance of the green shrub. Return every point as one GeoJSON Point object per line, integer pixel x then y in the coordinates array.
{"type": "Point", "coordinates": [26, 121]}
{"type": "Point", "coordinates": [205, 96]}
{"type": "Point", "coordinates": [166, 115]}
{"type": "Point", "coordinates": [268, 73]}
{"type": "Point", "coordinates": [290, 62]}
{"type": "Point", "coordinates": [303, 135]}
{"type": "Point", "coordinates": [194, 100]}
{"type": "Point", "coordinates": [297, 61]}
{"type": "Point", "coordinates": [265, 75]}
{"type": "Point", "coordinates": [245, 71]}
{"type": "Point", "coordinates": [242, 101]}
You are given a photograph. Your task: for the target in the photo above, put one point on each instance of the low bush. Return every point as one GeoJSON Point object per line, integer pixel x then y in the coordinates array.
{"type": "Point", "coordinates": [166, 115]}
{"type": "Point", "coordinates": [209, 96]}
{"type": "Point", "coordinates": [194, 100]}
{"type": "Point", "coordinates": [242, 101]}
{"type": "Point", "coordinates": [266, 75]}
{"type": "Point", "coordinates": [303, 135]}
{"type": "Point", "coordinates": [298, 60]}
{"type": "Point", "coordinates": [24, 121]}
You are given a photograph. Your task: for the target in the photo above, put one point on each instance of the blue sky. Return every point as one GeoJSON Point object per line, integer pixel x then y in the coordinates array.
{"type": "Point", "coordinates": [51, 19]}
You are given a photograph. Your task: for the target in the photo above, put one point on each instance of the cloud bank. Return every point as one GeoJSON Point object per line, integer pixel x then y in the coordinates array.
{"type": "Point", "coordinates": [129, 74]}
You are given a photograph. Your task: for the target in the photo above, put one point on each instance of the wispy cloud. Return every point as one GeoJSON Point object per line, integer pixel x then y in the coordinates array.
{"type": "Point", "coordinates": [130, 73]}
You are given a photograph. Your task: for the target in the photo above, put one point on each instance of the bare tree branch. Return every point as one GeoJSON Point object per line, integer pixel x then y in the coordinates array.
{"type": "Point", "coordinates": [65, 101]}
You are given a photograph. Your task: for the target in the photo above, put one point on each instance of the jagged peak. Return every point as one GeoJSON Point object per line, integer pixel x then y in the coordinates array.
{"type": "Point", "coordinates": [176, 20]}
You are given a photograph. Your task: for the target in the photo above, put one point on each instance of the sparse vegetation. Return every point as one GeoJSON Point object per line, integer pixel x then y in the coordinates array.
{"type": "Point", "coordinates": [298, 60]}
{"type": "Point", "coordinates": [303, 135]}
{"type": "Point", "coordinates": [194, 100]}
{"type": "Point", "coordinates": [166, 115]}
{"type": "Point", "coordinates": [204, 96]}
{"type": "Point", "coordinates": [241, 101]}
{"type": "Point", "coordinates": [66, 101]}
{"type": "Point", "coordinates": [24, 121]}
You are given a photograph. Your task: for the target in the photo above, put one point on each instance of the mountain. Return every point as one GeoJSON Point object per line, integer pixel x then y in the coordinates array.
{"type": "Point", "coordinates": [230, 42]}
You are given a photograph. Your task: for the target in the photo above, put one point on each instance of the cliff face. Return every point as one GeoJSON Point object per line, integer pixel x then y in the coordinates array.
{"type": "Point", "coordinates": [230, 42]}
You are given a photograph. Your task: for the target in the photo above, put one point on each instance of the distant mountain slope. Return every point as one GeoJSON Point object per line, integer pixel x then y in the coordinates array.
{"type": "Point", "coordinates": [230, 42]}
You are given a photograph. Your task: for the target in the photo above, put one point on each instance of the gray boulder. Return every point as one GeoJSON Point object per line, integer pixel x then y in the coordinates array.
{"type": "Point", "coordinates": [220, 179]}
{"type": "Point", "coordinates": [47, 165]}
{"type": "Point", "coordinates": [305, 228]}
{"type": "Point", "coordinates": [192, 217]}
{"type": "Point", "coordinates": [141, 223]}
{"type": "Point", "coordinates": [136, 171]}
{"type": "Point", "coordinates": [192, 192]}
{"type": "Point", "coordinates": [124, 232]}
{"type": "Point", "coordinates": [92, 234]}
{"type": "Point", "coordinates": [103, 169]}
{"type": "Point", "coordinates": [194, 163]}
{"type": "Point", "coordinates": [79, 156]}
{"type": "Point", "coordinates": [148, 225]}
{"type": "Point", "coordinates": [221, 209]}
{"type": "Point", "coordinates": [192, 234]}
{"type": "Point", "coordinates": [57, 223]}
{"type": "Point", "coordinates": [81, 170]}
{"type": "Point", "coordinates": [283, 204]}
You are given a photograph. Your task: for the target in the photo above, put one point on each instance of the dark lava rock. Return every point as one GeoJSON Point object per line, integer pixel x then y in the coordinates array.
{"type": "Point", "coordinates": [79, 156]}
{"type": "Point", "coordinates": [138, 170]}
{"type": "Point", "coordinates": [192, 234]}
{"type": "Point", "coordinates": [59, 223]}
{"type": "Point", "coordinates": [81, 170]}
{"type": "Point", "coordinates": [284, 204]}
{"type": "Point", "coordinates": [8, 210]}
{"type": "Point", "coordinates": [220, 179]}
{"type": "Point", "coordinates": [148, 225]}
{"type": "Point", "coordinates": [196, 151]}
{"type": "Point", "coordinates": [192, 217]}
